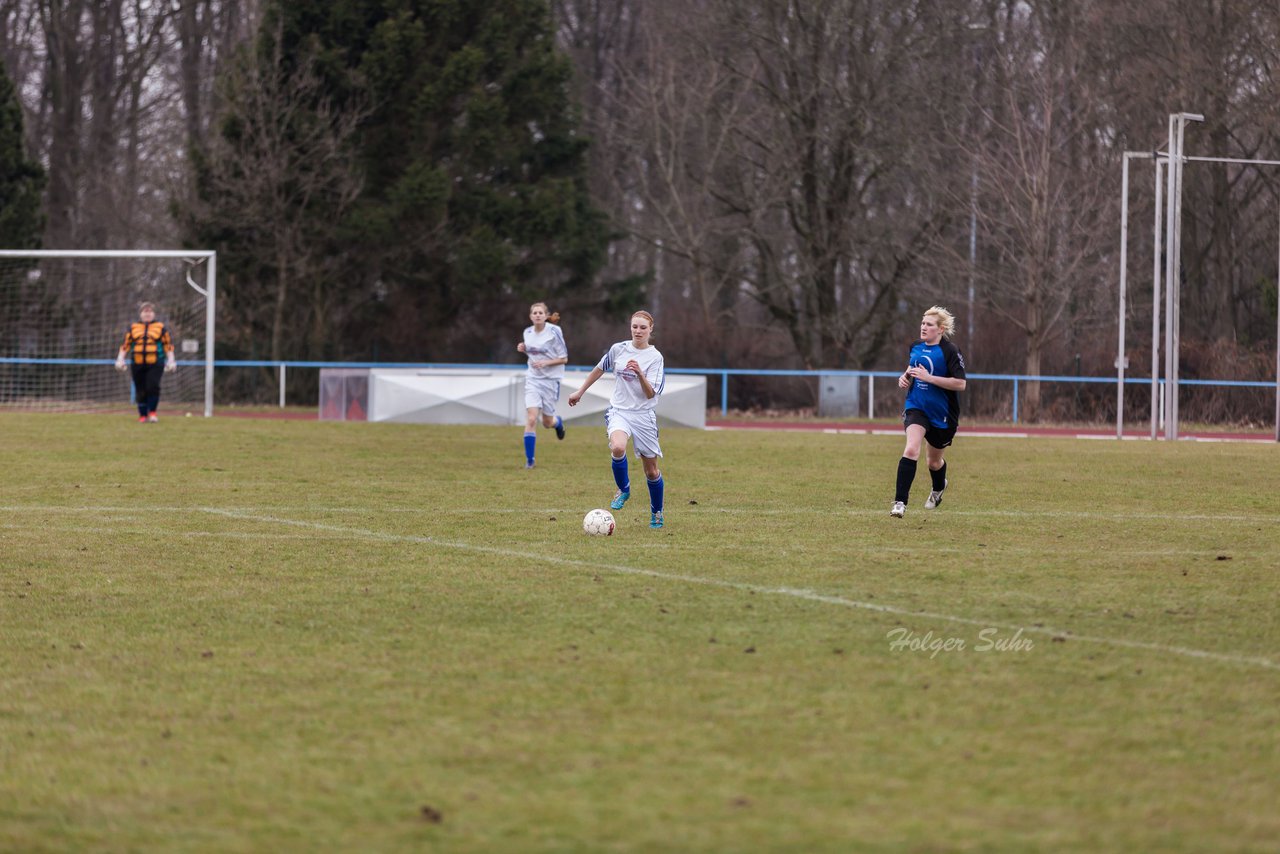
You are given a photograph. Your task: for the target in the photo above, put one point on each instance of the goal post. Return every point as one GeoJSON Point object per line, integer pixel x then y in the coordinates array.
{"type": "Point", "coordinates": [63, 314]}
{"type": "Point", "coordinates": [1168, 170]}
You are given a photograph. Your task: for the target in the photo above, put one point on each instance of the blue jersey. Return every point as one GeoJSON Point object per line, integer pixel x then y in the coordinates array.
{"type": "Point", "coordinates": [941, 406]}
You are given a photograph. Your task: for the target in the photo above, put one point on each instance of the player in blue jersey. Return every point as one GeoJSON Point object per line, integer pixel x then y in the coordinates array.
{"type": "Point", "coordinates": [934, 378]}
{"type": "Point", "coordinates": [544, 345]}
{"type": "Point", "coordinates": [637, 368]}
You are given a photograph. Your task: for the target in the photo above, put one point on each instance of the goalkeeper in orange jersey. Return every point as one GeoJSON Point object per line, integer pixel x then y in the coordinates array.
{"type": "Point", "coordinates": [148, 349]}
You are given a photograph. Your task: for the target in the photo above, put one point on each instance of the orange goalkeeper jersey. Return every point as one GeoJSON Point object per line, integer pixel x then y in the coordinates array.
{"type": "Point", "coordinates": [147, 342]}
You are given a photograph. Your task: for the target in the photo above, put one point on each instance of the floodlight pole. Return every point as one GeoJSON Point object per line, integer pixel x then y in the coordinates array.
{"type": "Point", "coordinates": [1155, 304]}
{"type": "Point", "coordinates": [1173, 268]}
{"type": "Point", "coordinates": [1121, 361]}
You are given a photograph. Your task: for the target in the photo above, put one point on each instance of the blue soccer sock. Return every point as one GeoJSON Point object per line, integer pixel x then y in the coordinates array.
{"type": "Point", "coordinates": [620, 475]}
{"type": "Point", "coordinates": [655, 494]}
{"type": "Point", "coordinates": [558, 423]}
{"type": "Point", "coordinates": [530, 439]}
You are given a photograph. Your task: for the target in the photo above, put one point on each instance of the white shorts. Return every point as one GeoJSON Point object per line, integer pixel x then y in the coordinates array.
{"type": "Point", "coordinates": [642, 427]}
{"type": "Point", "coordinates": [541, 394]}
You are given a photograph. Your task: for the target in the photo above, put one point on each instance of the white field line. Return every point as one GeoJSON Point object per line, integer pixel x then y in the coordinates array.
{"type": "Point", "coordinates": [109, 530]}
{"type": "Point", "coordinates": [793, 592]}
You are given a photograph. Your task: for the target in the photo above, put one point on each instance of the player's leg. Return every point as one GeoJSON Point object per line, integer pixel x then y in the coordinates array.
{"type": "Point", "coordinates": [550, 418]}
{"type": "Point", "coordinates": [645, 437]}
{"type": "Point", "coordinates": [907, 465]}
{"type": "Point", "coordinates": [154, 374]}
{"type": "Point", "coordinates": [139, 373]}
{"type": "Point", "coordinates": [653, 479]}
{"type": "Point", "coordinates": [619, 433]}
{"type": "Point", "coordinates": [530, 437]}
{"type": "Point", "coordinates": [938, 473]}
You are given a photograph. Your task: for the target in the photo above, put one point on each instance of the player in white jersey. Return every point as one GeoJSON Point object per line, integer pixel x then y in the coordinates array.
{"type": "Point", "coordinates": [638, 380]}
{"type": "Point", "coordinates": [544, 345]}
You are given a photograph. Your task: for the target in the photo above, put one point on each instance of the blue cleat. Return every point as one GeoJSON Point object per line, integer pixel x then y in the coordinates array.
{"type": "Point", "coordinates": [619, 500]}
{"type": "Point", "coordinates": [655, 519]}
{"type": "Point", "coordinates": [559, 429]}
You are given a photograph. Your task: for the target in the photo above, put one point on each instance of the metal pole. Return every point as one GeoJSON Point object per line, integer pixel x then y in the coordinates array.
{"type": "Point", "coordinates": [1156, 242]}
{"type": "Point", "coordinates": [1174, 284]}
{"type": "Point", "coordinates": [282, 373]}
{"type": "Point", "coordinates": [1170, 268]}
{"type": "Point", "coordinates": [1124, 266]}
{"type": "Point", "coordinates": [871, 397]}
{"type": "Point", "coordinates": [1278, 346]}
{"type": "Point", "coordinates": [210, 315]}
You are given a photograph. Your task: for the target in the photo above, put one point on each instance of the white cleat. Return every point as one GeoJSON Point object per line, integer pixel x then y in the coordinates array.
{"type": "Point", "coordinates": [898, 509]}
{"type": "Point", "coordinates": [935, 498]}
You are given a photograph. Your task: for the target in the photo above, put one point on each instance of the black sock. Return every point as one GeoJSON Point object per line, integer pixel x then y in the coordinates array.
{"type": "Point", "coordinates": [906, 474]}
{"type": "Point", "coordinates": [939, 478]}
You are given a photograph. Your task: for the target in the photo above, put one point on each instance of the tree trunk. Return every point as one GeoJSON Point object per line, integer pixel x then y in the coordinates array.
{"type": "Point", "coordinates": [64, 86]}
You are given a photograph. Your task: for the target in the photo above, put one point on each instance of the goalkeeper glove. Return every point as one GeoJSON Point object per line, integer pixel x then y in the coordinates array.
{"type": "Point", "coordinates": [170, 365]}
{"type": "Point", "coordinates": [120, 362]}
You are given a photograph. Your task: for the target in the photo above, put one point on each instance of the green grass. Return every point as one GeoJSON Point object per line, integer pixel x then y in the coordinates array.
{"type": "Point", "coordinates": [245, 635]}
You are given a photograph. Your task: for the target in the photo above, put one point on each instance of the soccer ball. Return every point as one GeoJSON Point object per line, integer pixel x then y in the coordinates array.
{"type": "Point", "coordinates": [598, 523]}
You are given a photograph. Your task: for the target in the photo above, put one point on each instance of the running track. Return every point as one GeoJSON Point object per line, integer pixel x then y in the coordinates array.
{"type": "Point", "coordinates": [980, 430]}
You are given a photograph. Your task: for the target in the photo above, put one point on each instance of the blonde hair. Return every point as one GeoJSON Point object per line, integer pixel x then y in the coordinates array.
{"type": "Point", "coordinates": [552, 316]}
{"type": "Point", "coordinates": [143, 306]}
{"type": "Point", "coordinates": [945, 319]}
{"type": "Point", "coordinates": [646, 315]}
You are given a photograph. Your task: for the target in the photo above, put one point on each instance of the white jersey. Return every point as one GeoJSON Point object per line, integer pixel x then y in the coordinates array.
{"type": "Point", "coordinates": [627, 393]}
{"type": "Point", "coordinates": [543, 346]}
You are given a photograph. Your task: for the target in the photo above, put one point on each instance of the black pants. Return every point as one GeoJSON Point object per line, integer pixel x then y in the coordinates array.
{"type": "Point", "coordinates": [146, 387]}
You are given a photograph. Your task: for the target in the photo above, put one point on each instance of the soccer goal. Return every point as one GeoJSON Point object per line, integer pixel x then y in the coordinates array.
{"type": "Point", "coordinates": [63, 317]}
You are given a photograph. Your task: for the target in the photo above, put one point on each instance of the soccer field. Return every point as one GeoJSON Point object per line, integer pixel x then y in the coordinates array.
{"type": "Point", "coordinates": [246, 635]}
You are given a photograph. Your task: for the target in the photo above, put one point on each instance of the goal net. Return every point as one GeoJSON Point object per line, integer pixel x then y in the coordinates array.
{"type": "Point", "coordinates": [64, 314]}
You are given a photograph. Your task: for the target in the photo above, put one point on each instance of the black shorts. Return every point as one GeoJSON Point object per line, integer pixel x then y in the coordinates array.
{"type": "Point", "coordinates": [935, 436]}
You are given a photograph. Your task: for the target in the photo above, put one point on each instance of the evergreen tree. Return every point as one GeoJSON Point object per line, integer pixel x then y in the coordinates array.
{"type": "Point", "coordinates": [392, 176]}
{"type": "Point", "coordinates": [21, 181]}
{"type": "Point", "coordinates": [21, 217]}
{"type": "Point", "coordinates": [475, 196]}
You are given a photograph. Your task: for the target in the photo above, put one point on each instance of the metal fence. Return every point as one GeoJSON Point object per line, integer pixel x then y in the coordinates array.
{"type": "Point", "coordinates": [1005, 408]}
{"type": "Point", "coordinates": [723, 376]}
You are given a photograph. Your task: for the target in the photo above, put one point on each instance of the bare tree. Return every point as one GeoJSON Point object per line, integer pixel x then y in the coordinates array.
{"type": "Point", "coordinates": [681, 110]}
{"type": "Point", "coordinates": [279, 180]}
{"type": "Point", "coordinates": [1045, 211]}
{"type": "Point", "coordinates": [831, 176]}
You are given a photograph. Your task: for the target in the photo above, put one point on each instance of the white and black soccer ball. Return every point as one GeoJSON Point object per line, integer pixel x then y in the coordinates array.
{"type": "Point", "coordinates": [598, 523]}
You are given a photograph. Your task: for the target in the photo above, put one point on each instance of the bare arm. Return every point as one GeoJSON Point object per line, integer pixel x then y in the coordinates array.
{"type": "Point", "coordinates": [596, 373]}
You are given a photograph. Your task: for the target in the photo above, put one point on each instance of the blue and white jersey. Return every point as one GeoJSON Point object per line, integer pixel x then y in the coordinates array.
{"type": "Point", "coordinates": [941, 406]}
{"type": "Point", "coordinates": [627, 391]}
{"type": "Point", "coordinates": [544, 346]}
